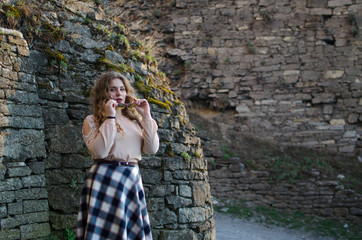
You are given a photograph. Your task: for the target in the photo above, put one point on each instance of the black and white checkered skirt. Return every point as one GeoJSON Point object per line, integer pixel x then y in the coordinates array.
{"type": "Point", "coordinates": [113, 204]}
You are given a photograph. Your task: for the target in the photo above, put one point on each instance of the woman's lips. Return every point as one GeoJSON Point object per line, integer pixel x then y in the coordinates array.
{"type": "Point", "coordinates": [119, 100]}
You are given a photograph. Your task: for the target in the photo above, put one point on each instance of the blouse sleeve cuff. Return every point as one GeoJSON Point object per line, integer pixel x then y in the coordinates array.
{"type": "Point", "coordinates": [110, 121]}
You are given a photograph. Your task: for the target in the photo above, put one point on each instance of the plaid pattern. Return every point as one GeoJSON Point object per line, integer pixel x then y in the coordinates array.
{"type": "Point", "coordinates": [113, 205]}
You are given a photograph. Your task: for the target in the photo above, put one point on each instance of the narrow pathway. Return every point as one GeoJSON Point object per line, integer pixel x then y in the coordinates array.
{"type": "Point", "coordinates": [231, 228]}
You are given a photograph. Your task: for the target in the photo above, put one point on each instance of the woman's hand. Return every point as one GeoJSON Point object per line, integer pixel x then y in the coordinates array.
{"type": "Point", "coordinates": [110, 107]}
{"type": "Point", "coordinates": [143, 108]}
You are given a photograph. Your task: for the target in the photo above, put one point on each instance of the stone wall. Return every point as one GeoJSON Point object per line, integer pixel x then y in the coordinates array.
{"type": "Point", "coordinates": [312, 196]}
{"type": "Point", "coordinates": [44, 101]}
{"type": "Point", "coordinates": [24, 208]}
{"type": "Point", "coordinates": [283, 72]}
{"type": "Point", "coordinates": [287, 70]}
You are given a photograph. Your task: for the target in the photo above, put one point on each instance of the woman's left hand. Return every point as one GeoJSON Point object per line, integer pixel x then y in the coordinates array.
{"type": "Point", "coordinates": [143, 108]}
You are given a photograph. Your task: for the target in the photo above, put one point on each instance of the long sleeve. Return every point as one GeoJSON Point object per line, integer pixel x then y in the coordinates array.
{"type": "Point", "coordinates": [99, 141]}
{"type": "Point", "coordinates": [150, 136]}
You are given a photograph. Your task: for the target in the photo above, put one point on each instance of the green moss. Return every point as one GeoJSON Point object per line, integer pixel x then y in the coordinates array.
{"type": "Point", "coordinates": [138, 77]}
{"type": "Point", "coordinates": [169, 152]}
{"type": "Point", "coordinates": [144, 89]}
{"type": "Point", "coordinates": [122, 41]}
{"type": "Point", "coordinates": [55, 55]}
{"type": "Point", "coordinates": [11, 11]}
{"type": "Point", "coordinates": [159, 103]}
{"type": "Point", "coordinates": [115, 66]}
{"type": "Point", "coordinates": [44, 86]}
{"type": "Point", "coordinates": [177, 102]}
{"type": "Point", "coordinates": [55, 32]}
{"type": "Point", "coordinates": [110, 47]}
{"type": "Point", "coordinates": [186, 156]}
{"type": "Point", "coordinates": [197, 155]}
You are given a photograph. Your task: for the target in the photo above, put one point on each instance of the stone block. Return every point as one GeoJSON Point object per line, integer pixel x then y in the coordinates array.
{"type": "Point", "coordinates": [190, 215]}
{"type": "Point", "coordinates": [61, 221]}
{"type": "Point", "coordinates": [339, 3]}
{"type": "Point", "coordinates": [3, 211]}
{"type": "Point", "coordinates": [25, 143]}
{"type": "Point", "coordinates": [65, 176]}
{"type": "Point", "coordinates": [32, 193]}
{"type": "Point", "coordinates": [317, 3]}
{"type": "Point", "coordinates": [291, 76]}
{"type": "Point", "coordinates": [36, 167]}
{"type": "Point", "coordinates": [10, 234]}
{"type": "Point", "coordinates": [179, 234]}
{"type": "Point", "coordinates": [7, 197]}
{"type": "Point", "coordinates": [320, 11]}
{"type": "Point", "coordinates": [35, 206]}
{"type": "Point", "coordinates": [337, 122]}
{"type": "Point", "coordinates": [15, 208]}
{"type": "Point", "coordinates": [323, 98]}
{"type": "Point", "coordinates": [185, 191]}
{"type": "Point", "coordinates": [10, 184]}
{"type": "Point", "coordinates": [64, 198]}
{"type": "Point", "coordinates": [347, 149]}
{"type": "Point", "coordinates": [201, 193]}
{"type": "Point", "coordinates": [175, 163]}
{"type": "Point", "coordinates": [176, 202]}
{"type": "Point", "coordinates": [54, 116]}
{"type": "Point", "coordinates": [9, 223]}
{"type": "Point", "coordinates": [161, 190]}
{"type": "Point", "coordinates": [334, 74]}
{"type": "Point", "coordinates": [30, 218]}
{"type": "Point", "coordinates": [155, 204]}
{"type": "Point", "coordinates": [150, 176]}
{"type": "Point", "coordinates": [164, 216]}
{"type": "Point", "coordinates": [34, 181]}
{"type": "Point", "coordinates": [19, 171]}
{"type": "Point", "coordinates": [36, 230]}
{"type": "Point", "coordinates": [65, 139]}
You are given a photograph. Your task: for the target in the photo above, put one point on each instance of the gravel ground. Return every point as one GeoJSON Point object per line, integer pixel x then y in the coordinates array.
{"type": "Point", "coordinates": [231, 228]}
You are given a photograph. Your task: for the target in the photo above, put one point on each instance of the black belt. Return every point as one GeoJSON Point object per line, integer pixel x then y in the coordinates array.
{"type": "Point", "coordinates": [115, 162]}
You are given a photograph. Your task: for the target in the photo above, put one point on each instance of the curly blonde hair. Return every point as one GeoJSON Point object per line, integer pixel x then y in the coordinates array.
{"type": "Point", "coordinates": [100, 96]}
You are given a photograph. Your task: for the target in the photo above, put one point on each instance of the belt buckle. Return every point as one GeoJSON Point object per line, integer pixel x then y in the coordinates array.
{"type": "Point", "coordinates": [126, 163]}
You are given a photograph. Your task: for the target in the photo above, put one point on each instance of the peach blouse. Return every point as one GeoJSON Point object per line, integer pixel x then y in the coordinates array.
{"type": "Point", "coordinates": [127, 145]}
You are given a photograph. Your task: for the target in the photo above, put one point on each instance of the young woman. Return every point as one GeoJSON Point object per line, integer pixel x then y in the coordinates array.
{"type": "Point", "coordinates": [112, 204]}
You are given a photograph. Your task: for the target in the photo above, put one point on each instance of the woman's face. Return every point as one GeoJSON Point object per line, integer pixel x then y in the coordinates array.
{"type": "Point", "coordinates": [117, 90]}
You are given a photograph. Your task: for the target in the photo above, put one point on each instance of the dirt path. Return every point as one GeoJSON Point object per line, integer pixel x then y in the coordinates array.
{"type": "Point", "coordinates": [231, 228]}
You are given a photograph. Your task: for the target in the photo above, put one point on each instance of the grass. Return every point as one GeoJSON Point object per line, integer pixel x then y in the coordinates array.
{"type": "Point", "coordinates": [289, 219]}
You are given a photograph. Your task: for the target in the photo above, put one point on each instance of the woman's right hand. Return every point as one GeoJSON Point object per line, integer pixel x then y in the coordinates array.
{"type": "Point", "coordinates": [110, 107]}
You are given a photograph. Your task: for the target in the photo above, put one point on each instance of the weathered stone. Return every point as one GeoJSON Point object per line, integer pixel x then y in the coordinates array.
{"type": "Point", "coordinates": [64, 198]}
{"type": "Point", "coordinates": [54, 116]}
{"type": "Point", "coordinates": [183, 234]}
{"type": "Point", "coordinates": [65, 139]}
{"type": "Point", "coordinates": [195, 214]}
{"type": "Point", "coordinates": [33, 193]}
{"type": "Point", "coordinates": [11, 184]}
{"type": "Point", "coordinates": [176, 202]}
{"type": "Point", "coordinates": [337, 3]}
{"type": "Point", "coordinates": [35, 206]}
{"type": "Point", "coordinates": [22, 144]}
{"type": "Point", "coordinates": [37, 230]}
{"type": "Point", "coordinates": [151, 176]}
{"type": "Point", "coordinates": [34, 181]}
{"type": "Point", "coordinates": [10, 234]}
{"type": "Point", "coordinates": [60, 222]}
{"type": "Point", "coordinates": [15, 208]}
{"type": "Point", "coordinates": [201, 193]}
{"type": "Point", "coordinates": [164, 216]}
{"type": "Point", "coordinates": [19, 171]}
{"type": "Point", "coordinates": [333, 74]}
